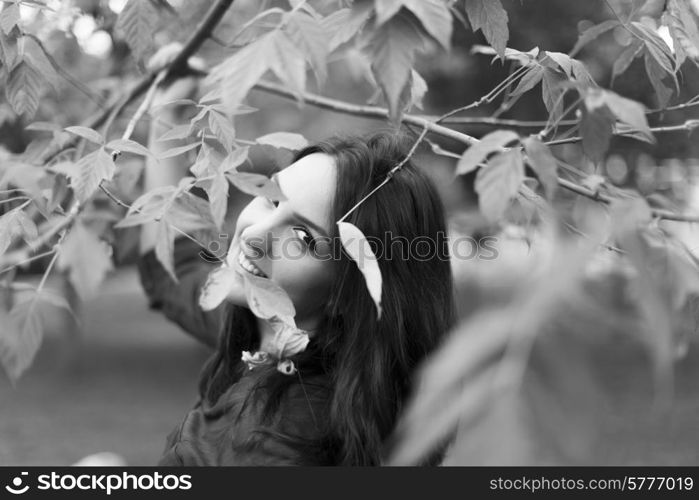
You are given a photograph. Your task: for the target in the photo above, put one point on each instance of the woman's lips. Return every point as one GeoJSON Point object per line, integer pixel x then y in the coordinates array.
{"type": "Point", "coordinates": [249, 267]}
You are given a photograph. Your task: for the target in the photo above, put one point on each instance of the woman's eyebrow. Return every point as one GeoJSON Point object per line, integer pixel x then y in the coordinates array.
{"type": "Point", "coordinates": [300, 217]}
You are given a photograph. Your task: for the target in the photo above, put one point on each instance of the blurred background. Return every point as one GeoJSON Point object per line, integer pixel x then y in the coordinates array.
{"type": "Point", "coordinates": [120, 378]}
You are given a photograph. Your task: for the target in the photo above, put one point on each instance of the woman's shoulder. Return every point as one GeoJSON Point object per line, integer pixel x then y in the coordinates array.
{"type": "Point", "coordinates": [300, 395]}
{"type": "Point", "coordinates": [291, 429]}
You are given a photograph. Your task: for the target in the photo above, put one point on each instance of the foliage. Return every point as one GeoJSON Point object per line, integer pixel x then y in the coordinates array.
{"type": "Point", "coordinates": [489, 379]}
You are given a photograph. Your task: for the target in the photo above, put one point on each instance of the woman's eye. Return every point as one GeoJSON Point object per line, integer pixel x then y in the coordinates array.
{"type": "Point", "coordinates": [305, 236]}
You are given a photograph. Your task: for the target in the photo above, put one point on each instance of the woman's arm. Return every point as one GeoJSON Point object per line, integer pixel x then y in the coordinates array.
{"type": "Point", "coordinates": [177, 300]}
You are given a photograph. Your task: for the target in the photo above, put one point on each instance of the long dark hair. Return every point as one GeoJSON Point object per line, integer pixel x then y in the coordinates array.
{"type": "Point", "coordinates": [369, 363]}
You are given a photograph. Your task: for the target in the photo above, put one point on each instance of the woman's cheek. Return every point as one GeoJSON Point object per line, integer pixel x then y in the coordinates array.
{"type": "Point", "coordinates": [307, 283]}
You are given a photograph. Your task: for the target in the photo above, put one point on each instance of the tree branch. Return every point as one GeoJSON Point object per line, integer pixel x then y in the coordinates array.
{"type": "Point", "coordinates": [362, 111]}
{"type": "Point", "coordinates": [202, 32]}
{"type": "Point", "coordinates": [382, 113]}
{"type": "Point", "coordinates": [687, 126]}
{"type": "Point", "coordinates": [499, 122]}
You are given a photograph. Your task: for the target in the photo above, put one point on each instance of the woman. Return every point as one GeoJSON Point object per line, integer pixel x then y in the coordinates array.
{"type": "Point", "coordinates": [349, 384]}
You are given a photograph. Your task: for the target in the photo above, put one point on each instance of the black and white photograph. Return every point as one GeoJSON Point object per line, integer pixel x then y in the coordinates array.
{"type": "Point", "coordinates": [385, 233]}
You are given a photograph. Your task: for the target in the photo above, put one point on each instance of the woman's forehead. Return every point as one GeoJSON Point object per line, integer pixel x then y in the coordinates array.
{"type": "Point", "coordinates": [309, 186]}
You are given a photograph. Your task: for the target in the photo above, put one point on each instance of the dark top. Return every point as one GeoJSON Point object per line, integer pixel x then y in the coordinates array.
{"type": "Point", "coordinates": [231, 431]}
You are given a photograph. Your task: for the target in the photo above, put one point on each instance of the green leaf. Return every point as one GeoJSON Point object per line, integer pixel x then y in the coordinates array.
{"type": "Point", "coordinates": [435, 18]}
{"type": "Point", "coordinates": [176, 132]}
{"type": "Point", "coordinates": [418, 89]}
{"type": "Point", "coordinates": [386, 9]}
{"type": "Point", "coordinates": [552, 92]}
{"type": "Point", "coordinates": [87, 260]}
{"type": "Point", "coordinates": [391, 49]}
{"type": "Point", "coordinates": [218, 285]}
{"type": "Point", "coordinates": [498, 182]}
{"type": "Point", "coordinates": [658, 50]}
{"type": "Point", "coordinates": [491, 18]}
{"type": "Point", "coordinates": [129, 146]}
{"type": "Point", "coordinates": [683, 29]}
{"type": "Point", "coordinates": [357, 247]}
{"type": "Point", "coordinates": [529, 80]}
{"type": "Point", "coordinates": [289, 63]}
{"type": "Point", "coordinates": [543, 162]}
{"type": "Point", "coordinates": [656, 73]}
{"type": "Point", "coordinates": [189, 212]}
{"type": "Point", "coordinates": [236, 75]}
{"type": "Point", "coordinates": [9, 17]}
{"type": "Point", "coordinates": [596, 128]}
{"type": "Point", "coordinates": [205, 164]}
{"type": "Point", "coordinates": [592, 33]}
{"type": "Point", "coordinates": [581, 74]}
{"type": "Point", "coordinates": [625, 59]}
{"type": "Point", "coordinates": [165, 247]}
{"type": "Point", "coordinates": [137, 22]}
{"type": "Point", "coordinates": [13, 224]}
{"type": "Point", "coordinates": [43, 127]}
{"type": "Point", "coordinates": [236, 158]}
{"type": "Point", "coordinates": [148, 207]}
{"type": "Point", "coordinates": [92, 169]}
{"type": "Point", "coordinates": [283, 140]}
{"type": "Point", "coordinates": [633, 132]}
{"type": "Point", "coordinates": [26, 176]}
{"type": "Point", "coordinates": [474, 155]}
{"type": "Point", "coordinates": [86, 133]}
{"type": "Point", "coordinates": [344, 24]}
{"type": "Point", "coordinates": [663, 60]}
{"type": "Point", "coordinates": [217, 191]}
{"type": "Point", "coordinates": [563, 61]}
{"type": "Point", "coordinates": [255, 184]}
{"type": "Point", "coordinates": [20, 337]}
{"type": "Point", "coordinates": [310, 35]}
{"type": "Point", "coordinates": [177, 151]}
{"type": "Point", "coordinates": [42, 61]}
{"type": "Point", "coordinates": [627, 111]}
{"type": "Point", "coordinates": [222, 128]}
{"type": "Point", "coordinates": [9, 53]}
{"type": "Point", "coordinates": [23, 89]}
{"type": "Point", "coordinates": [265, 298]}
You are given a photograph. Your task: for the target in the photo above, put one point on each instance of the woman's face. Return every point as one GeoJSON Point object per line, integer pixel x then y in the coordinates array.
{"type": "Point", "coordinates": [281, 239]}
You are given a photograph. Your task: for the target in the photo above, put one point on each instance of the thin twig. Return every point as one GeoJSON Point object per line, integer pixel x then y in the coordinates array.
{"type": "Point", "coordinates": [499, 122]}
{"type": "Point", "coordinates": [382, 113]}
{"type": "Point", "coordinates": [694, 101]}
{"type": "Point", "coordinates": [577, 231]}
{"type": "Point", "coordinates": [425, 128]}
{"type": "Point", "coordinates": [142, 109]}
{"type": "Point", "coordinates": [122, 203]}
{"type": "Point", "coordinates": [618, 18]}
{"type": "Point", "coordinates": [57, 251]}
{"type": "Point", "coordinates": [16, 198]}
{"type": "Point", "coordinates": [27, 261]}
{"type": "Point", "coordinates": [687, 126]}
